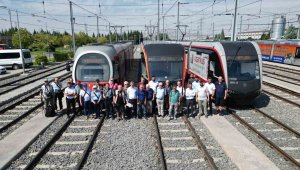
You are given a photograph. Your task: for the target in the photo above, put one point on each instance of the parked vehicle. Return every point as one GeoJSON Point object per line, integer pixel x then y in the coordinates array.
{"type": "Point", "coordinates": [12, 58]}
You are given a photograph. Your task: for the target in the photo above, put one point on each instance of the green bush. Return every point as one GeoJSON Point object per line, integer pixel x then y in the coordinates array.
{"type": "Point", "coordinates": [70, 54]}
{"type": "Point", "coordinates": [60, 56]}
{"type": "Point", "coordinates": [41, 58]}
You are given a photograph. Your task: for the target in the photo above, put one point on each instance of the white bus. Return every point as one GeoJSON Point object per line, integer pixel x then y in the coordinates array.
{"type": "Point", "coordinates": [12, 58]}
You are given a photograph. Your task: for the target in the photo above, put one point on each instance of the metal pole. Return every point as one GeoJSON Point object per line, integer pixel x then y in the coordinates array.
{"type": "Point", "coordinates": [86, 31]}
{"type": "Point", "coordinates": [177, 33]}
{"type": "Point", "coordinates": [47, 39]}
{"type": "Point", "coordinates": [241, 27]}
{"type": "Point", "coordinates": [201, 28]}
{"type": "Point", "coordinates": [233, 38]}
{"type": "Point", "coordinates": [213, 30]}
{"type": "Point", "coordinates": [97, 27]}
{"type": "Point", "coordinates": [72, 27]}
{"type": "Point", "coordinates": [158, 38]}
{"type": "Point", "coordinates": [20, 43]}
{"type": "Point", "coordinates": [164, 28]}
{"type": "Point", "coordinates": [298, 35]}
{"type": "Point", "coordinates": [109, 33]}
{"type": "Point", "coordinates": [9, 12]}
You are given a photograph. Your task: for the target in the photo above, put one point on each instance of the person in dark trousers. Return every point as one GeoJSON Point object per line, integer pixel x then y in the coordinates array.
{"type": "Point", "coordinates": [58, 93]}
{"type": "Point", "coordinates": [85, 100]}
{"type": "Point", "coordinates": [221, 95]}
{"type": "Point", "coordinates": [190, 94]}
{"type": "Point", "coordinates": [70, 94]}
{"type": "Point", "coordinates": [108, 94]}
{"type": "Point", "coordinates": [47, 94]}
{"type": "Point", "coordinates": [168, 89]}
{"type": "Point", "coordinates": [96, 98]}
{"type": "Point", "coordinates": [131, 97]}
{"type": "Point", "coordinates": [120, 101]}
{"type": "Point", "coordinates": [150, 100]}
{"type": "Point", "coordinates": [141, 95]}
{"type": "Point", "coordinates": [211, 89]}
{"type": "Point", "coordinates": [174, 102]}
{"type": "Point", "coordinates": [78, 88]}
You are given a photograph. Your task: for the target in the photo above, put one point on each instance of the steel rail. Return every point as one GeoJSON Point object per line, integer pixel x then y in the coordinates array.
{"type": "Point", "coordinates": [284, 90]}
{"type": "Point", "coordinates": [293, 71]}
{"type": "Point", "coordinates": [48, 145]}
{"type": "Point", "coordinates": [159, 145]}
{"type": "Point", "coordinates": [16, 120]}
{"type": "Point", "coordinates": [284, 126]}
{"type": "Point", "coordinates": [90, 145]}
{"type": "Point", "coordinates": [200, 144]}
{"type": "Point", "coordinates": [277, 78]}
{"type": "Point", "coordinates": [31, 75]}
{"type": "Point", "coordinates": [11, 102]}
{"type": "Point", "coordinates": [265, 139]}
{"type": "Point", "coordinates": [31, 81]}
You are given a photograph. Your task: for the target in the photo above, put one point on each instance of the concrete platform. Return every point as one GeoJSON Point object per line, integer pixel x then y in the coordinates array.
{"type": "Point", "coordinates": [15, 142]}
{"type": "Point", "coordinates": [282, 84]}
{"type": "Point", "coordinates": [282, 65]}
{"type": "Point", "coordinates": [27, 87]}
{"type": "Point", "coordinates": [237, 147]}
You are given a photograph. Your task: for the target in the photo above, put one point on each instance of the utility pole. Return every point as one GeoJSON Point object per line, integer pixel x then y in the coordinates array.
{"type": "Point", "coordinates": [9, 12]}
{"type": "Point", "coordinates": [158, 22]}
{"type": "Point", "coordinates": [164, 28]}
{"type": "Point", "coordinates": [86, 31]}
{"type": "Point", "coordinates": [233, 36]}
{"type": "Point", "coordinates": [241, 26]}
{"type": "Point", "coordinates": [97, 27]}
{"type": "Point", "coordinates": [213, 30]}
{"type": "Point", "coordinates": [177, 31]}
{"type": "Point", "coordinates": [72, 27]}
{"type": "Point", "coordinates": [109, 32]}
{"type": "Point", "coordinates": [20, 43]}
{"type": "Point", "coordinates": [298, 35]}
{"type": "Point", "coordinates": [201, 25]}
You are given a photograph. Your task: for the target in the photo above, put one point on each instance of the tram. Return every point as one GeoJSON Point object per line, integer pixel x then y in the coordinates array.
{"type": "Point", "coordinates": [103, 62]}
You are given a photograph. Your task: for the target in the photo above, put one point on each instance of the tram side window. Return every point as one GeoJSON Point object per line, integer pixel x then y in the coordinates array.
{"type": "Point", "coordinates": [297, 53]}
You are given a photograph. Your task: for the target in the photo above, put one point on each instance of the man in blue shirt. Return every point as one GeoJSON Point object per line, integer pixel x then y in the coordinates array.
{"type": "Point", "coordinates": [221, 95]}
{"type": "Point", "coordinates": [141, 95]}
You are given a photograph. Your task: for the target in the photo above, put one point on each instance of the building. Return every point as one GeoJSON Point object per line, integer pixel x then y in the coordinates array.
{"type": "Point", "coordinates": [255, 35]}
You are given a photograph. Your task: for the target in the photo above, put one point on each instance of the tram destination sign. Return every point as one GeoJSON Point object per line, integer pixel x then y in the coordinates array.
{"type": "Point", "coordinates": [199, 64]}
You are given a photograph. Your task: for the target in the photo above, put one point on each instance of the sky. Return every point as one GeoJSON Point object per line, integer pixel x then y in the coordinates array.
{"type": "Point", "coordinates": [256, 15]}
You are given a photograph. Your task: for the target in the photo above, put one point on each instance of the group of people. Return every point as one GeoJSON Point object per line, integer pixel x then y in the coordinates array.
{"type": "Point", "coordinates": [128, 100]}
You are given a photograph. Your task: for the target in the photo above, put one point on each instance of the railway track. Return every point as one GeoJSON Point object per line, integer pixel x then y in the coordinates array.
{"type": "Point", "coordinates": [283, 74]}
{"type": "Point", "coordinates": [180, 146]}
{"type": "Point", "coordinates": [279, 136]}
{"type": "Point", "coordinates": [282, 93]}
{"type": "Point", "coordinates": [15, 83]}
{"type": "Point", "coordinates": [15, 114]}
{"type": "Point", "coordinates": [68, 147]}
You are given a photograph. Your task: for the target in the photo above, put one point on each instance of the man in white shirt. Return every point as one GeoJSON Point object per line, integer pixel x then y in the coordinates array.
{"type": "Point", "coordinates": [153, 83]}
{"type": "Point", "coordinates": [58, 94]}
{"type": "Point", "coordinates": [195, 84]}
{"type": "Point", "coordinates": [70, 98]}
{"type": "Point", "coordinates": [131, 97]}
{"type": "Point", "coordinates": [202, 95]}
{"type": "Point", "coordinates": [211, 89]}
{"type": "Point", "coordinates": [181, 91]}
{"type": "Point", "coordinates": [160, 95]}
{"type": "Point", "coordinates": [190, 94]}
{"type": "Point", "coordinates": [85, 100]}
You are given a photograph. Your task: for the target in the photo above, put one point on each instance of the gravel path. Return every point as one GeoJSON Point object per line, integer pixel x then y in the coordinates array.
{"type": "Point", "coordinates": [124, 145]}
{"type": "Point", "coordinates": [26, 157]}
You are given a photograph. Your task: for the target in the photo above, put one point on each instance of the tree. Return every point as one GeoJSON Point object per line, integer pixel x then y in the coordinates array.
{"type": "Point", "coordinates": [26, 38]}
{"type": "Point", "coordinates": [66, 39]}
{"type": "Point", "coordinates": [291, 32]}
{"type": "Point", "coordinates": [102, 40]}
{"type": "Point", "coordinates": [265, 37]}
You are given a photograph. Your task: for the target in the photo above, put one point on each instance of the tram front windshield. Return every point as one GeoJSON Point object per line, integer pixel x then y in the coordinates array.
{"type": "Point", "coordinates": [92, 66]}
{"type": "Point", "coordinates": [242, 69]}
{"type": "Point", "coordinates": [166, 67]}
